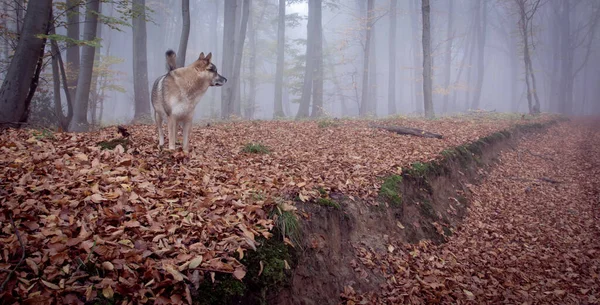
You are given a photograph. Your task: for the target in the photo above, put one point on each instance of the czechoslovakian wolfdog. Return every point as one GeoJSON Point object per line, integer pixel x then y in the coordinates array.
{"type": "Point", "coordinates": [175, 95]}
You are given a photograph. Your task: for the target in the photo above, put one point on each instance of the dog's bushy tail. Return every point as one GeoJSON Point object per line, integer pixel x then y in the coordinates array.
{"type": "Point", "coordinates": [171, 60]}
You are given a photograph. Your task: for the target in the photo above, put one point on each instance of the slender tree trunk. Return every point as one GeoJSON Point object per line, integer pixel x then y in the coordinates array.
{"type": "Point", "coordinates": [373, 98]}
{"type": "Point", "coordinates": [278, 102]}
{"type": "Point", "coordinates": [364, 100]}
{"type": "Point", "coordinates": [481, 21]}
{"type": "Point", "coordinates": [19, 6]}
{"type": "Point", "coordinates": [140, 64]}
{"type": "Point", "coordinates": [392, 55]}
{"type": "Point", "coordinates": [251, 107]}
{"type": "Point", "coordinates": [566, 87]}
{"type": "Point", "coordinates": [317, 106]}
{"type": "Point", "coordinates": [427, 77]}
{"type": "Point", "coordinates": [23, 71]}
{"type": "Point", "coordinates": [84, 81]}
{"type": "Point", "coordinates": [214, 41]}
{"type": "Point", "coordinates": [185, 32]}
{"type": "Point", "coordinates": [94, 90]}
{"type": "Point", "coordinates": [58, 71]}
{"type": "Point", "coordinates": [448, 55]}
{"type": "Point", "coordinates": [239, 51]}
{"type": "Point", "coordinates": [303, 110]}
{"type": "Point", "coordinates": [467, 52]}
{"type": "Point", "coordinates": [414, 21]}
{"type": "Point", "coordinates": [228, 56]}
{"type": "Point", "coordinates": [73, 59]}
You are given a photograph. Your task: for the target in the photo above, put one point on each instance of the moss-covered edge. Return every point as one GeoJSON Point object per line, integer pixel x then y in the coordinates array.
{"type": "Point", "coordinates": [465, 154]}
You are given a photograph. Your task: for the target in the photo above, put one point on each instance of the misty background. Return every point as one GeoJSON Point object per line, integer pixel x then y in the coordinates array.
{"type": "Point", "coordinates": [478, 56]}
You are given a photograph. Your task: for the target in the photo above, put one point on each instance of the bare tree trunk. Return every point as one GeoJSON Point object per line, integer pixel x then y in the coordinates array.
{"type": "Point", "coordinates": [278, 102]}
{"type": "Point", "coordinates": [140, 63]}
{"type": "Point", "coordinates": [303, 110]}
{"type": "Point", "coordinates": [214, 41]}
{"type": "Point", "coordinates": [392, 68]}
{"type": "Point", "coordinates": [94, 90]}
{"type": "Point", "coordinates": [19, 15]}
{"type": "Point", "coordinates": [427, 77]}
{"type": "Point", "coordinates": [448, 55]}
{"type": "Point", "coordinates": [23, 71]}
{"type": "Point", "coordinates": [481, 24]}
{"type": "Point", "coordinates": [364, 100]}
{"type": "Point", "coordinates": [58, 71]}
{"type": "Point", "coordinates": [317, 106]}
{"type": "Point", "coordinates": [84, 81]}
{"type": "Point", "coordinates": [239, 51]}
{"type": "Point", "coordinates": [251, 107]}
{"type": "Point", "coordinates": [566, 87]}
{"type": "Point", "coordinates": [414, 21]}
{"type": "Point", "coordinates": [73, 49]}
{"type": "Point", "coordinates": [228, 55]}
{"type": "Point", "coordinates": [185, 33]}
{"type": "Point", "coordinates": [373, 98]}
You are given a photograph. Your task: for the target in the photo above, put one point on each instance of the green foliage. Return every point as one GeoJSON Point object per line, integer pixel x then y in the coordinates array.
{"type": "Point", "coordinates": [328, 203]}
{"type": "Point", "coordinates": [327, 122]}
{"type": "Point", "coordinates": [256, 148]}
{"type": "Point", "coordinates": [110, 145]}
{"type": "Point", "coordinates": [390, 190]}
{"type": "Point", "coordinates": [43, 134]}
{"type": "Point", "coordinates": [286, 223]}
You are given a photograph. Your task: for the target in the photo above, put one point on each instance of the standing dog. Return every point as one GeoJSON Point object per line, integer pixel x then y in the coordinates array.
{"type": "Point", "coordinates": [175, 95]}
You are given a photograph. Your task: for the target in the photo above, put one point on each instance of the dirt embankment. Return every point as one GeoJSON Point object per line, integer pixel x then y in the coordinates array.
{"type": "Point", "coordinates": [341, 244]}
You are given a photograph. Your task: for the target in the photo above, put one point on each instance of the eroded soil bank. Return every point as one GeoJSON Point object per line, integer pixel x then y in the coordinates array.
{"type": "Point", "coordinates": [531, 234]}
{"type": "Point", "coordinates": [346, 249]}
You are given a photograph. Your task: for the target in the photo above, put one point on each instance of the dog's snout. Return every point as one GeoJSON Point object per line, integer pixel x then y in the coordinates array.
{"type": "Point", "coordinates": [223, 79]}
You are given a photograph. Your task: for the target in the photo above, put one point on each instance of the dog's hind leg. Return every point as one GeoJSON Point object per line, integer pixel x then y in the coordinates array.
{"type": "Point", "coordinates": [187, 126]}
{"type": "Point", "coordinates": [159, 121]}
{"type": "Point", "coordinates": [172, 132]}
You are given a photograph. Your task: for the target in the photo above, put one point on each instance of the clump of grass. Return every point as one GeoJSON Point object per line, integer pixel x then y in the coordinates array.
{"type": "Point", "coordinates": [256, 148]}
{"type": "Point", "coordinates": [328, 203]}
{"type": "Point", "coordinates": [43, 134]}
{"type": "Point", "coordinates": [420, 168]}
{"type": "Point", "coordinates": [390, 189]}
{"type": "Point", "coordinates": [325, 123]}
{"type": "Point", "coordinates": [286, 223]}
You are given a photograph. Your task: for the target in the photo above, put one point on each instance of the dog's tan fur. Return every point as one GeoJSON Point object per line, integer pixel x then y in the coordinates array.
{"type": "Point", "coordinates": [176, 94]}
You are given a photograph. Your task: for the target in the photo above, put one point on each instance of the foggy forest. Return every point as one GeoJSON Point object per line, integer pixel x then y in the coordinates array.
{"type": "Point", "coordinates": [294, 60]}
{"type": "Point", "coordinates": [299, 152]}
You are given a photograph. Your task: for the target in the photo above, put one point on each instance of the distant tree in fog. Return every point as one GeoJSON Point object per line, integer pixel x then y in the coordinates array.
{"type": "Point", "coordinates": [427, 75]}
{"type": "Point", "coordinates": [140, 61]}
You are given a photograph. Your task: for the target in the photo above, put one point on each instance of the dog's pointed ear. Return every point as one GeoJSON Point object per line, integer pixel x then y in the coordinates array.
{"type": "Point", "coordinates": [201, 56]}
{"type": "Point", "coordinates": [208, 57]}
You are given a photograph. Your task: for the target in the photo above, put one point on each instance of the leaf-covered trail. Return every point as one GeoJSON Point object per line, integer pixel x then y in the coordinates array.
{"type": "Point", "coordinates": [532, 235]}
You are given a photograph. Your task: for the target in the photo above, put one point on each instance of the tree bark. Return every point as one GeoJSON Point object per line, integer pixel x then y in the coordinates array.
{"type": "Point", "coordinates": [84, 81]}
{"type": "Point", "coordinates": [239, 52]}
{"type": "Point", "coordinates": [427, 77]}
{"type": "Point", "coordinates": [303, 110]}
{"type": "Point", "coordinates": [364, 100]}
{"type": "Point", "coordinates": [278, 102]}
{"type": "Point", "coordinates": [566, 87]}
{"type": "Point", "coordinates": [317, 106]}
{"type": "Point", "coordinates": [185, 33]}
{"type": "Point", "coordinates": [228, 55]}
{"type": "Point", "coordinates": [392, 54]}
{"type": "Point", "coordinates": [448, 55]}
{"type": "Point", "coordinates": [58, 72]}
{"type": "Point", "coordinates": [73, 49]}
{"type": "Point", "coordinates": [140, 63]}
{"type": "Point", "coordinates": [21, 74]}
{"type": "Point", "coordinates": [251, 107]}
{"type": "Point", "coordinates": [481, 23]}
{"type": "Point", "coordinates": [414, 21]}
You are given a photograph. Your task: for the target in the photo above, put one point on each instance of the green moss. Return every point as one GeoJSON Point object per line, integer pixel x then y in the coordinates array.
{"type": "Point", "coordinates": [256, 148]}
{"type": "Point", "coordinates": [328, 203]}
{"type": "Point", "coordinates": [223, 291]}
{"type": "Point", "coordinates": [43, 134]}
{"type": "Point", "coordinates": [390, 190]}
{"type": "Point", "coordinates": [322, 191]}
{"type": "Point", "coordinates": [325, 123]}
{"type": "Point", "coordinates": [114, 143]}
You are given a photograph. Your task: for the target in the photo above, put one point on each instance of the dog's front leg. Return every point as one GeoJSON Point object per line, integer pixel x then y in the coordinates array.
{"type": "Point", "coordinates": [187, 126]}
{"type": "Point", "coordinates": [172, 130]}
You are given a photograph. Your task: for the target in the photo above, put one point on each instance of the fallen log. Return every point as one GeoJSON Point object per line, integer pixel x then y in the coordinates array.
{"type": "Point", "coordinates": [409, 131]}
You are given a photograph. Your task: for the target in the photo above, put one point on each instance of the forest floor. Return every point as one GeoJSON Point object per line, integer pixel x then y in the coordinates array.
{"type": "Point", "coordinates": [532, 234]}
{"type": "Point", "coordinates": [81, 222]}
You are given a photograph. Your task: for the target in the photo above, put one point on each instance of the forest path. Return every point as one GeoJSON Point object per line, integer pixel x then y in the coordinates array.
{"type": "Point", "coordinates": [532, 234]}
